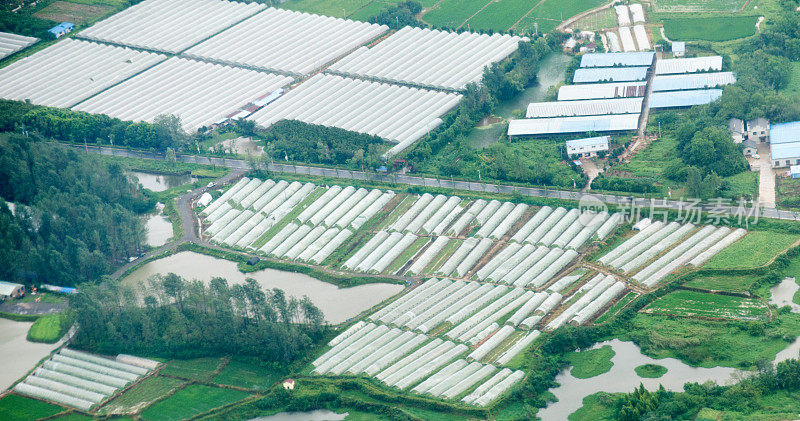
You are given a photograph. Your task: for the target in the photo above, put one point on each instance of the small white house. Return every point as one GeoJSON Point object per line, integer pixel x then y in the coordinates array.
{"type": "Point", "coordinates": [758, 129]}
{"type": "Point", "coordinates": [678, 49]}
{"type": "Point", "coordinates": [588, 147]}
{"type": "Point", "coordinates": [8, 289]}
{"type": "Point", "coordinates": [736, 127]}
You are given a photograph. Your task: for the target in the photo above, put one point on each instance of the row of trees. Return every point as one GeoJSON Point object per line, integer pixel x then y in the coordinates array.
{"type": "Point", "coordinates": [75, 218]}
{"type": "Point", "coordinates": [171, 317]}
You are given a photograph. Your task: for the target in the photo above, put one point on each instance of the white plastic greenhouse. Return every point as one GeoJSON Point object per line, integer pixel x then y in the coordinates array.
{"type": "Point", "coordinates": [490, 344]}
{"type": "Point", "coordinates": [427, 255]}
{"type": "Point", "coordinates": [440, 215]}
{"type": "Point", "coordinates": [518, 347]}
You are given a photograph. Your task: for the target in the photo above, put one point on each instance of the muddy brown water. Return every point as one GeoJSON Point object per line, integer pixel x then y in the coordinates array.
{"type": "Point", "coordinates": [18, 356]}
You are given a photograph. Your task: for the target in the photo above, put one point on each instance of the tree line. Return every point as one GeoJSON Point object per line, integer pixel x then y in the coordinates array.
{"type": "Point", "coordinates": [74, 218]}
{"type": "Point", "coordinates": [171, 317]}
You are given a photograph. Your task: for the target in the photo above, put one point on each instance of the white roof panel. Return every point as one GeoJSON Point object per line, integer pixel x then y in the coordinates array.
{"type": "Point", "coordinates": [617, 59]}
{"type": "Point", "coordinates": [582, 124]}
{"type": "Point", "coordinates": [584, 107]}
{"type": "Point", "coordinates": [688, 65]}
{"type": "Point", "coordinates": [601, 90]}
{"type": "Point", "coordinates": [610, 74]}
{"type": "Point", "coordinates": [692, 81]}
{"type": "Point", "coordinates": [675, 99]}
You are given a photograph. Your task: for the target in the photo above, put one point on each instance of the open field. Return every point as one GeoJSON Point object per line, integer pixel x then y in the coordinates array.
{"type": "Point", "coordinates": [729, 283]}
{"type": "Point", "coordinates": [190, 401]}
{"type": "Point", "coordinates": [250, 374]}
{"type": "Point", "coordinates": [714, 306]}
{"type": "Point", "coordinates": [721, 28]}
{"type": "Point", "coordinates": [63, 11]}
{"type": "Point", "coordinates": [500, 15]}
{"type": "Point", "coordinates": [20, 408]}
{"type": "Point", "coordinates": [754, 250]}
{"type": "Point", "coordinates": [453, 13]}
{"type": "Point", "coordinates": [788, 194]}
{"type": "Point", "coordinates": [49, 328]}
{"type": "Point", "coordinates": [591, 362]}
{"type": "Point", "coordinates": [200, 369]}
{"type": "Point", "coordinates": [688, 6]}
{"type": "Point", "coordinates": [141, 395]}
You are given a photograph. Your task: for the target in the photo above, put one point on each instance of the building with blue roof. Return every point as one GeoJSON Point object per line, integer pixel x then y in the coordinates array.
{"type": "Point", "coordinates": [678, 99]}
{"type": "Point", "coordinates": [587, 147]}
{"type": "Point", "coordinates": [61, 29]}
{"type": "Point", "coordinates": [784, 144]}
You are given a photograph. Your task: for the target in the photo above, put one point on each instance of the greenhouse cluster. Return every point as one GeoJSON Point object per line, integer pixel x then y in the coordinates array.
{"type": "Point", "coordinates": [286, 41]}
{"type": "Point", "coordinates": [429, 57]}
{"type": "Point", "coordinates": [11, 43]}
{"type": "Point", "coordinates": [81, 380]}
{"type": "Point", "coordinates": [200, 93]}
{"type": "Point", "coordinates": [70, 71]}
{"type": "Point", "coordinates": [169, 25]}
{"type": "Point", "coordinates": [643, 255]}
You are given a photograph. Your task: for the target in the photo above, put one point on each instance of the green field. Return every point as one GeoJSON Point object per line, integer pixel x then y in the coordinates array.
{"type": "Point", "coordinates": [650, 371]}
{"type": "Point", "coordinates": [721, 28]}
{"type": "Point", "coordinates": [141, 395]}
{"type": "Point", "coordinates": [453, 13]}
{"type": "Point", "coordinates": [600, 406]}
{"type": "Point", "coordinates": [708, 343]}
{"type": "Point", "coordinates": [20, 408]}
{"type": "Point", "coordinates": [552, 12]}
{"type": "Point", "coordinates": [368, 11]}
{"type": "Point", "coordinates": [729, 283]}
{"type": "Point", "coordinates": [500, 15]}
{"type": "Point", "coordinates": [49, 328]}
{"type": "Point", "coordinates": [250, 374]}
{"type": "Point", "coordinates": [191, 401]}
{"type": "Point", "coordinates": [591, 362]}
{"type": "Point", "coordinates": [715, 306]}
{"type": "Point", "coordinates": [756, 249]}
{"type": "Point", "coordinates": [197, 369]}
{"type": "Point", "coordinates": [686, 6]}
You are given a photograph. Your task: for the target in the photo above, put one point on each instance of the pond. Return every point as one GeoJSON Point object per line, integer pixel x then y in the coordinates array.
{"type": "Point", "coordinates": [622, 378]}
{"type": "Point", "coordinates": [161, 182]}
{"type": "Point", "coordinates": [17, 354]}
{"type": "Point", "coordinates": [318, 415]}
{"type": "Point", "coordinates": [338, 304]}
{"type": "Point", "coordinates": [551, 72]}
{"type": "Point", "coordinates": [158, 228]}
{"type": "Point", "coordinates": [783, 294]}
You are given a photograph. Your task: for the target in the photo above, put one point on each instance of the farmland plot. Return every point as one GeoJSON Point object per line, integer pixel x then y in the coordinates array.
{"type": "Point", "coordinates": [715, 306]}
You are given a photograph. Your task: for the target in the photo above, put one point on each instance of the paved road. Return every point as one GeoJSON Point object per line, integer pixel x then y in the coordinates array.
{"type": "Point", "coordinates": [242, 165]}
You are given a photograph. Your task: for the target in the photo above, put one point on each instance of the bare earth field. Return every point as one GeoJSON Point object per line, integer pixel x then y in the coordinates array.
{"type": "Point", "coordinates": [62, 11]}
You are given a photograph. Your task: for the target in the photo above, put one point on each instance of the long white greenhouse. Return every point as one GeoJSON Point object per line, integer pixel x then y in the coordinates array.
{"type": "Point", "coordinates": [11, 43]}
{"type": "Point", "coordinates": [286, 41]}
{"type": "Point", "coordinates": [198, 92]}
{"type": "Point", "coordinates": [169, 25]}
{"type": "Point", "coordinates": [429, 57]}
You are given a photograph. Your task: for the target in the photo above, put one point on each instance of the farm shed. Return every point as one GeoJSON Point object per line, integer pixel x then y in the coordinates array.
{"type": "Point", "coordinates": [610, 74]}
{"type": "Point", "coordinates": [676, 99]}
{"type": "Point", "coordinates": [11, 43]}
{"type": "Point", "coordinates": [429, 57]}
{"type": "Point", "coordinates": [601, 90]}
{"type": "Point", "coordinates": [688, 65]}
{"type": "Point", "coordinates": [11, 290]}
{"type": "Point", "coordinates": [61, 29]}
{"type": "Point", "coordinates": [584, 148]}
{"type": "Point", "coordinates": [170, 25]}
{"type": "Point", "coordinates": [582, 124]}
{"type": "Point", "coordinates": [617, 59]}
{"type": "Point", "coordinates": [200, 93]}
{"type": "Point", "coordinates": [286, 41]}
{"type": "Point", "coordinates": [693, 81]}
{"type": "Point", "coordinates": [784, 144]}
{"type": "Point", "coordinates": [584, 107]}
{"type": "Point", "coordinates": [678, 48]}
{"type": "Point", "coordinates": [70, 71]}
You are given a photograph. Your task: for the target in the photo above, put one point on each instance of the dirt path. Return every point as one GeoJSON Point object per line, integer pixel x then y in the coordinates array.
{"type": "Point", "coordinates": [579, 16]}
{"type": "Point", "coordinates": [766, 178]}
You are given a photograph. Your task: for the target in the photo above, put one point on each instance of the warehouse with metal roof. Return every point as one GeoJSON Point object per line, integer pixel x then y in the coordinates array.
{"type": "Point", "coordinates": [680, 82]}
{"type": "Point", "coordinates": [785, 144]}
{"type": "Point", "coordinates": [676, 99]}
{"type": "Point", "coordinates": [580, 124]}
{"type": "Point", "coordinates": [688, 65]}
{"type": "Point", "coordinates": [610, 74]}
{"type": "Point", "coordinates": [617, 59]}
{"type": "Point", "coordinates": [584, 107]}
{"type": "Point", "coordinates": [601, 90]}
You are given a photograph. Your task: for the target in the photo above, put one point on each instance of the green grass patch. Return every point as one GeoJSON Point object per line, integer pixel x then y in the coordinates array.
{"type": "Point", "coordinates": [163, 167]}
{"type": "Point", "coordinates": [550, 13]}
{"type": "Point", "coordinates": [499, 15]}
{"type": "Point", "coordinates": [44, 297]}
{"type": "Point", "coordinates": [453, 13]}
{"type": "Point", "coordinates": [744, 184]}
{"type": "Point", "coordinates": [650, 371]}
{"type": "Point", "coordinates": [191, 401]}
{"type": "Point", "coordinates": [249, 373]}
{"type": "Point", "coordinates": [50, 328]}
{"type": "Point", "coordinates": [368, 11]}
{"type": "Point", "coordinates": [201, 369]}
{"type": "Point", "coordinates": [729, 283]}
{"type": "Point", "coordinates": [591, 362]}
{"type": "Point", "coordinates": [708, 343]}
{"type": "Point", "coordinates": [599, 406]}
{"type": "Point", "coordinates": [718, 28]}
{"type": "Point", "coordinates": [141, 395]}
{"type": "Point", "coordinates": [688, 6]}
{"type": "Point", "coordinates": [20, 408]}
{"type": "Point", "coordinates": [703, 304]}
{"type": "Point", "coordinates": [756, 249]}
{"type": "Point", "coordinates": [788, 194]}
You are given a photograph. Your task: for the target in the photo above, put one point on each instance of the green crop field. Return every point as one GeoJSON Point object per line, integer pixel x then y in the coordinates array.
{"type": "Point", "coordinates": [49, 328]}
{"type": "Point", "coordinates": [500, 15]}
{"type": "Point", "coordinates": [191, 401]}
{"type": "Point", "coordinates": [453, 13]}
{"type": "Point", "coordinates": [368, 11]}
{"type": "Point", "coordinates": [592, 362]}
{"type": "Point", "coordinates": [197, 369]}
{"type": "Point", "coordinates": [729, 283]}
{"type": "Point", "coordinates": [141, 395]}
{"type": "Point", "coordinates": [650, 371]}
{"type": "Point", "coordinates": [686, 6]}
{"type": "Point", "coordinates": [701, 304]}
{"type": "Point", "coordinates": [756, 249]}
{"type": "Point", "coordinates": [720, 28]}
{"type": "Point", "coordinates": [20, 408]}
{"type": "Point", "coordinates": [248, 374]}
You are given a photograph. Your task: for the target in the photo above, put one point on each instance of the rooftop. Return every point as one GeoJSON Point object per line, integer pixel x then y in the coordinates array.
{"type": "Point", "coordinates": [617, 59]}
{"type": "Point", "coordinates": [784, 132]}
{"type": "Point", "coordinates": [587, 142]}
